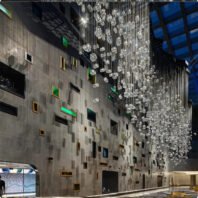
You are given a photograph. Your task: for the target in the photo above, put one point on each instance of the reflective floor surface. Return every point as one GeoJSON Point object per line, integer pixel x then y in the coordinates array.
{"type": "Point", "coordinates": [159, 193]}
{"type": "Point", "coordinates": [163, 193]}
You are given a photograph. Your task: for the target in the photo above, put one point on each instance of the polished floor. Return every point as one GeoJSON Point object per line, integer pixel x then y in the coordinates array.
{"type": "Point", "coordinates": [159, 193]}
{"type": "Point", "coordinates": [162, 193]}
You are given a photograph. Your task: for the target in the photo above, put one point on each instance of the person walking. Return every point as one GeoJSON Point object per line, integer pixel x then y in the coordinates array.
{"type": "Point", "coordinates": [2, 187]}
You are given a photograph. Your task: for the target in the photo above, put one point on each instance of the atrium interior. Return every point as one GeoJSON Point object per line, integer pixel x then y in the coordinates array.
{"type": "Point", "coordinates": [99, 98]}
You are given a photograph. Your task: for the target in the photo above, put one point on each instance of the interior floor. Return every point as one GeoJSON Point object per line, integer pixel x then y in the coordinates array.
{"type": "Point", "coordinates": [164, 193]}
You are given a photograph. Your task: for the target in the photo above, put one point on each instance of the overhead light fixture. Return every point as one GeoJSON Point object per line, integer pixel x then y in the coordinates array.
{"type": "Point", "coordinates": [187, 63]}
{"type": "Point", "coordinates": [84, 20]}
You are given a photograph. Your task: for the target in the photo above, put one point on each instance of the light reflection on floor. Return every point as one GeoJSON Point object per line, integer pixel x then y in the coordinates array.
{"type": "Point", "coordinates": [161, 193]}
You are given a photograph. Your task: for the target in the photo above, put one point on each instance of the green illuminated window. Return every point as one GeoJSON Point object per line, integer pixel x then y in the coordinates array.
{"type": "Point", "coordinates": [65, 41]}
{"type": "Point", "coordinates": [5, 11]}
{"type": "Point", "coordinates": [110, 98]}
{"type": "Point", "coordinates": [113, 89]}
{"type": "Point", "coordinates": [68, 111]}
{"type": "Point", "coordinates": [91, 115]}
{"type": "Point", "coordinates": [55, 91]}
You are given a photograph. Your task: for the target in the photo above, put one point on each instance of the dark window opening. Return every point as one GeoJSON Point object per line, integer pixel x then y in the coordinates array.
{"type": "Point", "coordinates": [28, 57]}
{"type": "Point", "coordinates": [35, 107]}
{"type": "Point", "coordinates": [61, 120]}
{"type": "Point", "coordinates": [142, 144]}
{"type": "Point", "coordinates": [127, 126]}
{"type": "Point", "coordinates": [105, 152]}
{"type": "Point", "coordinates": [82, 63]}
{"type": "Point", "coordinates": [94, 149]}
{"type": "Point", "coordinates": [66, 174]}
{"type": "Point", "coordinates": [99, 148]}
{"type": "Point", "coordinates": [134, 160]}
{"type": "Point", "coordinates": [12, 80]}
{"type": "Point", "coordinates": [75, 88]}
{"type": "Point", "coordinates": [41, 132]}
{"type": "Point", "coordinates": [85, 165]}
{"type": "Point", "coordinates": [6, 108]}
{"type": "Point", "coordinates": [114, 127]}
{"type": "Point", "coordinates": [115, 157]}
{"type": "Point", "coordinates": [91, 115]}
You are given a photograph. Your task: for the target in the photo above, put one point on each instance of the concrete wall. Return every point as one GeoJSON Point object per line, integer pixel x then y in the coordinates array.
{"type": "Point", "coordinates": [19, 136]}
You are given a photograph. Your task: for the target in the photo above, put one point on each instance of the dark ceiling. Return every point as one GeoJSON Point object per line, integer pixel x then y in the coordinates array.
{"type": "Point", "coordinates": [176, 24]}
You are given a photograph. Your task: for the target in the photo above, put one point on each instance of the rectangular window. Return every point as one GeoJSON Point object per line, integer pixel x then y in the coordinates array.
{"type": "Point", "coordinates": [94, 149]}
{"type": "Point", "coordinates": [66, 174]}
{"type": "Point", "coordinates": [105, 152]}
{"type": "Point", "coordinates": [115, 157]}
{"type": "Point", "coordinates": [99, 148]}
{"type": "Point", "coordinates": [114, 127]}
{"type": "Point", "coordinates": [28, 57]}
{"type": "Point", "coordinates": [81, 118]}
{"type": "Point", "coordinates": [91, 115]}
{"type": "Point", "coordinates": [65, 41]}
{"type": "Point", "coordinates": [75, 88]}
{"type": "Point", "coordinates": [41, 132]}
{"type": "Point", "coordinates": [85, 165]}
{"type": "Point", "coordinates": [76, 187]}
{"type": "Point", "coordinates": [82, 63]}
{"type": "Point", "coordinates": [134, 160]}
{"type": "Point", "coordinates": [142, 144]}
{"type": "Point", "coordinates": [62, 63]}
{"type": "Point", "coordinates": [61, 120]}
{"type": "Point", "coordinates": [81, 83]}
{"type": "Point", "coordinates": [55, 91]}
{"type": "Point", "coordinates": [6, 108]}
{"type": "Point", "coordinates": [91, 78]}
{"type": "Point", "coordinates": [12, 80]}
{"type": "Point", "coordinates": [74, 62]}
{"type": "Point", "coordinates": [35, 107]}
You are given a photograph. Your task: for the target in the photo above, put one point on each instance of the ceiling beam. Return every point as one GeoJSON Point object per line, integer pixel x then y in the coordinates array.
{"type": "Point", "coordinates": [184, 15]}
{"type": "Point", "coordinates": [195, 9]}
{"type": "Point", "coordinates": [164, 28]}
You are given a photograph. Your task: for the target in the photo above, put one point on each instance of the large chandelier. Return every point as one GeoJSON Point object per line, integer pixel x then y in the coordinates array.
{"type": "Point", "coordinates": [117, 39]}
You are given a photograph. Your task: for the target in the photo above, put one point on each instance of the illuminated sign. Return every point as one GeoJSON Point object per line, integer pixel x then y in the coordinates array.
{"type": "Point", "coordinates": [5, 11]}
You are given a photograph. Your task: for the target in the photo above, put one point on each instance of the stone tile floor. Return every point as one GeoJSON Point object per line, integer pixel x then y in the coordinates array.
{"type": "Point", "coordinates": [163, 194]}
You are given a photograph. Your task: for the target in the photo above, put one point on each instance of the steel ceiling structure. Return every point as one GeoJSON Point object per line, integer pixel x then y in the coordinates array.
{"type": "Point", "coordinates": [176, 24]}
